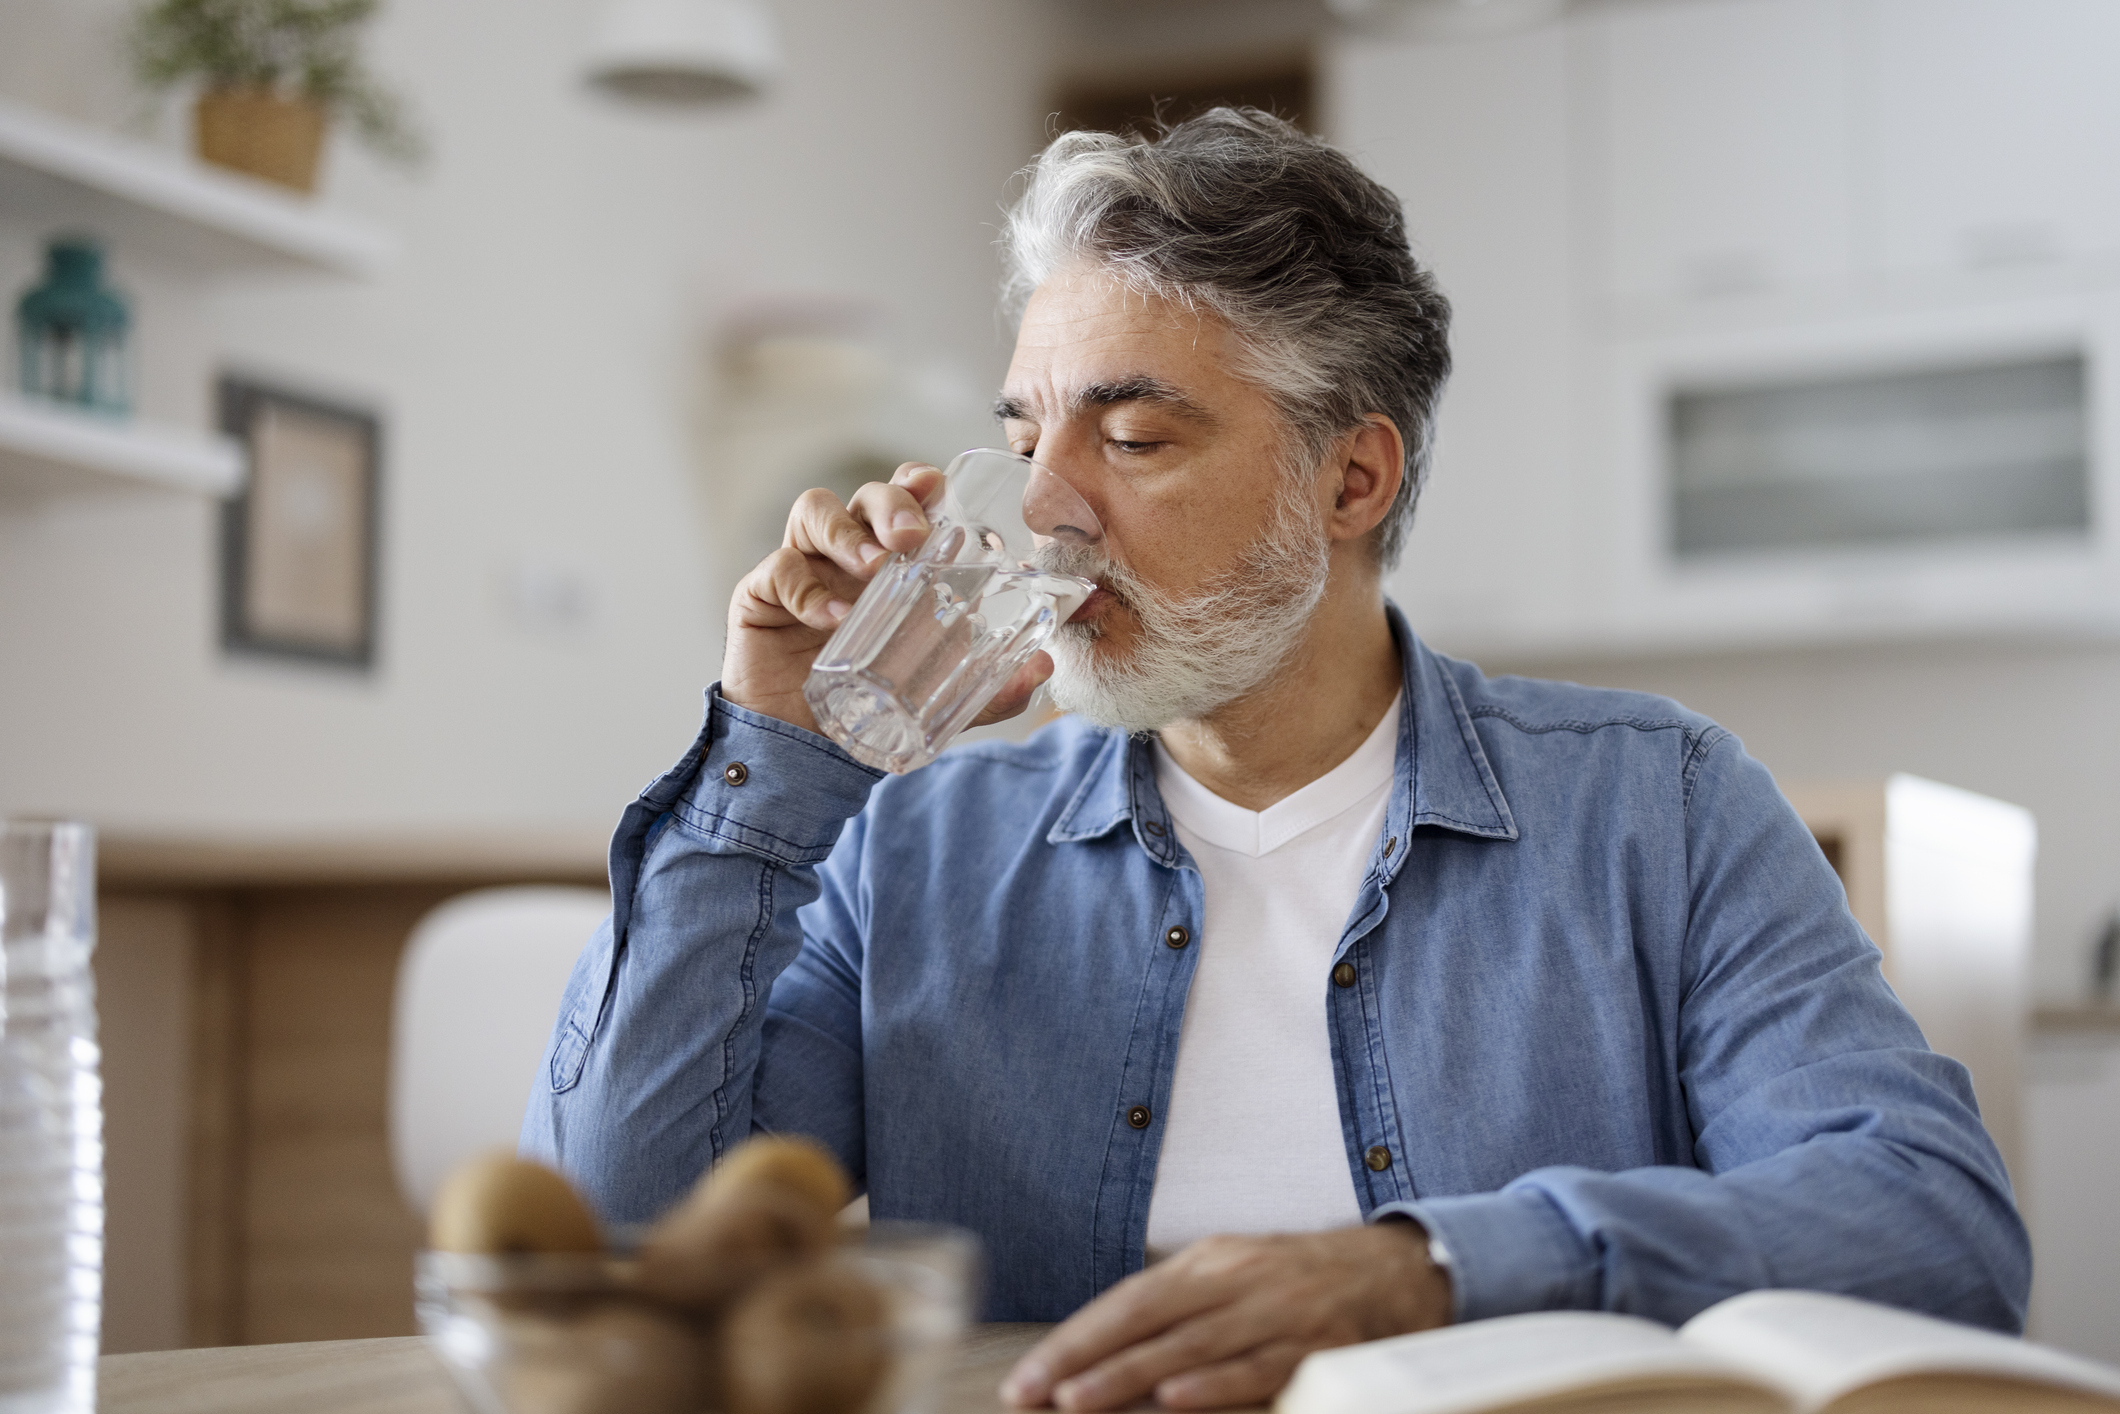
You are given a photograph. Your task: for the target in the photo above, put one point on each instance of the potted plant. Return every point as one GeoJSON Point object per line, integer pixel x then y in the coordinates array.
{"type": "Point", "coordinates": [273, 75]}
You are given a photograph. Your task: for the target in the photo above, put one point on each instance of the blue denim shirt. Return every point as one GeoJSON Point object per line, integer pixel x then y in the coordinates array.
{"type": "Point", "coordinates": [1610, 1016]}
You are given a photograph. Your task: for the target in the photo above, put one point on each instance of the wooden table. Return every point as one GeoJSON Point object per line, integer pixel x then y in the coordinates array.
{"type": "Point", "coordinates": [398, 1375]}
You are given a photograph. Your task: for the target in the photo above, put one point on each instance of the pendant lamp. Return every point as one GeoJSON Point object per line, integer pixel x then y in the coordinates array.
{"type": "Point", "coordinates": [684, 52]}
{"type": "Point", "coordinates": [1446, 19]}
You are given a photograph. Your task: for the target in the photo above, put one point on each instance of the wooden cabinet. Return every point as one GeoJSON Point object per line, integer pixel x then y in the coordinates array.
{"type": "Point", "coordinates": [249, 987]}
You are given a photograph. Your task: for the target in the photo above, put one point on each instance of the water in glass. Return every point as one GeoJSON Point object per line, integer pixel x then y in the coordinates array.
{"type": "Point", "coordinates": [51, 1122]}
{"type": "Point", "coordinates": [936, 634]}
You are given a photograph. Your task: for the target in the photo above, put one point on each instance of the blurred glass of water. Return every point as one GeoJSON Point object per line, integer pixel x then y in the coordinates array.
{"type": "Point", "coordinates": [51, 1121]}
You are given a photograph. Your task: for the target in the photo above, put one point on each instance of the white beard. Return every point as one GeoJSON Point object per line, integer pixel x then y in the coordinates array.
{"type": "Point", "coordinates": [1196, 654]}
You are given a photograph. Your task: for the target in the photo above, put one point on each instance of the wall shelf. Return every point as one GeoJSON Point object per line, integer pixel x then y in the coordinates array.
{"type": "Point", "coordinates": [50, 448]}
{"type": "Point", "coordinates": [65, 176]}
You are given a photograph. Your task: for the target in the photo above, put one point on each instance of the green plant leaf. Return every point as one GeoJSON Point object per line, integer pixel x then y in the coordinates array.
{"type": "Point", "coordinates": [307, 49]}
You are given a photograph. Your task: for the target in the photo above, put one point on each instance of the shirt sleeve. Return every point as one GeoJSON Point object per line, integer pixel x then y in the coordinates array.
{"type": "Point", "coordinates": [649, 1075]}
{"type": "Point", "coordinates": [1835, 1151]}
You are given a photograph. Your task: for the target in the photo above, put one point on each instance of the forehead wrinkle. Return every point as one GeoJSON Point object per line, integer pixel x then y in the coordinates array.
{"type": "Point", "coordinates": [1135, 388]}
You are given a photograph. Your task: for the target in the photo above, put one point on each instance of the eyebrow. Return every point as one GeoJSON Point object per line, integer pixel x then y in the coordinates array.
{"type": "Point", "coordinates": [1138, 388]}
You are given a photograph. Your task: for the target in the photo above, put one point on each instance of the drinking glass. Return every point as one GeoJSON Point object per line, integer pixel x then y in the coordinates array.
{"type": "Point", "coordinates": [936, 634]}
{"type": "Point", "coordinates": [51, 1121]}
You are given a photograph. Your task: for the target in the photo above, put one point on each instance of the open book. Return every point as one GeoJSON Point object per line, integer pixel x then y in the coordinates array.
{"type": "Point", "coordinates": [1766, 1352]}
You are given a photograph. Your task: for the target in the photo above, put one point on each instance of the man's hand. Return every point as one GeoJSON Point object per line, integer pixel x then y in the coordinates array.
{"type": "Point", "coordinates": [786, 608]}
{"type": "Point", "coordinates": [1225, 1321]}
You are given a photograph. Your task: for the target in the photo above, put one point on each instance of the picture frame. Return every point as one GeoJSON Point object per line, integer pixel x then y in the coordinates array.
{"type": "Point", "coordinates": [299, 543]}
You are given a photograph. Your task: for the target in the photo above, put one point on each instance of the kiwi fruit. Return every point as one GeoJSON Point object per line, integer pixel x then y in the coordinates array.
{"type": "Point", "coordinates": [796, 1165]}
{"type": "Point", "coordinates": [809, 1339]}
{"type": "Point", "coordinates": [703, 1254]}
{"type": "Point", "coordinates": [771, 1201]}
{"type": "Point", "coordinates": [499, 1203]}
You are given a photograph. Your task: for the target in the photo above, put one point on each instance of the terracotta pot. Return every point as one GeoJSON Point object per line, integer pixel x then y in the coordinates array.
{"type": "Point", "coordinates": [257, 131]}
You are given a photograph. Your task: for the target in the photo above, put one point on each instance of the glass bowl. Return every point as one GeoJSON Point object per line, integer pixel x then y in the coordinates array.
{"type": "Point", "coordinates": [576, 1334]}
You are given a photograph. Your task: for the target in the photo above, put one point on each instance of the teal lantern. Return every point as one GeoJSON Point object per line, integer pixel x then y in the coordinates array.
{"type": "Point", "coordinates": [71, 331]}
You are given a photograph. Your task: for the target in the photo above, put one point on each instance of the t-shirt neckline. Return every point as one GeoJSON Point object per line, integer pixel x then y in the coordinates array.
{"type": "Point", "coordinates": [1230, 826]}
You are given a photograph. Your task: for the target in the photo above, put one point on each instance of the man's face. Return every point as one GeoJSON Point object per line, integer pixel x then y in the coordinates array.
{"type": "Point", "coordinates": [1217, 558]}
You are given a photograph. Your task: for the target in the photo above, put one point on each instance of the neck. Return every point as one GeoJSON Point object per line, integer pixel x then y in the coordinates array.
{"type": "Point", "coordinates": [1321, 705]}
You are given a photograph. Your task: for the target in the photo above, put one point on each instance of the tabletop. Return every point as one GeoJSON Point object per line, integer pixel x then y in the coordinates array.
{"type": "Point", "coordinates": [400, 1376]}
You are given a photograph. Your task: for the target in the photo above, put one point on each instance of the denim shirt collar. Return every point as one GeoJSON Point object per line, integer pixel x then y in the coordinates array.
{"type": "Point", "coordinates": [1441, 776]}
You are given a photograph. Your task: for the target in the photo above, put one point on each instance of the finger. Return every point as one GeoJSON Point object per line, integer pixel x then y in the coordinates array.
{"type": "Point", "coordinates": [1252, 1378]}
{"type": "Point", "coordinates": [820, 526]}
{"type": "Point", "coordinates": [1126, 1377]}
{"type": "Point", "coordinates": [1145, 1304]}
{"type": "Point", "coordinates": [1016, 693]}
{"type": "Point", "coordinates": [789, 587]}
{"type": "Point", "coordinates": [894, 512]}
{"type": "Point", "coordinates": [919, 478]}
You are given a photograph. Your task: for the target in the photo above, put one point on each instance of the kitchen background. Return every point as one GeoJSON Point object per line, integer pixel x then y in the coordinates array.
{"type": "Point", "coordinates": [606, 340]}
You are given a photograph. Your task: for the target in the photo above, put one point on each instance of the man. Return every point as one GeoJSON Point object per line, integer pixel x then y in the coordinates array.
{"type": "Point", "coordinates": [1450, 996]}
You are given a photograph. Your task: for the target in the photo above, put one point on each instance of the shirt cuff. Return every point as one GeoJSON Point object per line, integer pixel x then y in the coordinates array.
{"type": "Point", "coordinates": [1507, 1253]}
{"type": "Point", "coordinates": [763, 786]}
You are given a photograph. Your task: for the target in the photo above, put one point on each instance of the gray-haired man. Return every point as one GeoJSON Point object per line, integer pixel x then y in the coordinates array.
{"type": "Point", "coordinates": [1314, 987]}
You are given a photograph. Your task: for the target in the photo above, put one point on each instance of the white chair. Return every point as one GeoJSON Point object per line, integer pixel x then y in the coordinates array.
{"type": "Point", "coordinates": [478, 990]}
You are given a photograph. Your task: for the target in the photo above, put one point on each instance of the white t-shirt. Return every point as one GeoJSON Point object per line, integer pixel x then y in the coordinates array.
{"type": "Point", "coordinates": [1252, 1142]}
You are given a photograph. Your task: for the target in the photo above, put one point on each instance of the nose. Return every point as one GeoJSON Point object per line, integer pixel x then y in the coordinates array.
{"type": "Point", "coordinates": [1054, 509]}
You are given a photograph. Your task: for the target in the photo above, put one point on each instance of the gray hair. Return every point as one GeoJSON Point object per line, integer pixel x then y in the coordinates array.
{"type": "Point", "coordinates": [1281, 237]}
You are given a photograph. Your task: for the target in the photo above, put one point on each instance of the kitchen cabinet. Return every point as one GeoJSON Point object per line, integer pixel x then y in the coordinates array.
{"type": "Point", "coordinates": [1656, 201]}
{"type": "Point", "coordinates": [1990, 132]}
{"type": "Point", "coordinates": [1748, 147]}
{"type": "Point", "coordinates": [265, 1208]}
{"type": "Point", "coordinates": [1475, 137]}
{"type": "Point", "coordinates": [1721, 151]}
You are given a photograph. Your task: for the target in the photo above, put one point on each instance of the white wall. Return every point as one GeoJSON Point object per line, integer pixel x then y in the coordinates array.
{"type": "Point", "coordinates": [538, 355]}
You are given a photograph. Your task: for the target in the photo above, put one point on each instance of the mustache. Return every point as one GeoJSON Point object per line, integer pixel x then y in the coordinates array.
{"type": "Point", "coordinates": [1060, 557]}
{"type": "Point", "coordinates": [1084, 562]}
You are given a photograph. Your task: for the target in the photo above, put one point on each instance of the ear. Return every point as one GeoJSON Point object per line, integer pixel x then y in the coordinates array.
{"type": "Point", "coordinates": [1365, 477]}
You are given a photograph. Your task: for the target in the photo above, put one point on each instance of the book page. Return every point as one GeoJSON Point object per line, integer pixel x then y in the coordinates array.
{"type": "Point", "coordinates": [1820, 1347]}
{"type": "Point", "coordinates": [1507, 1362]}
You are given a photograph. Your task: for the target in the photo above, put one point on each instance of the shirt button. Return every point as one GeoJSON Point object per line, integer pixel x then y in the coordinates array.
{"type": "Point", "coordinates": [1153, 828]}
{"type": "Point", "coordinates": [1343, 975]}
{"type": "Point", "coordinates": [1177, 937]}
{"type": "Point", "coordinates": [735, 773]}
{"type": "Point", "coordinates": [1138, 1116]}
{"type": "Point", "coordinates": [1390, 845]}
{"type": "Point", "coordinates": [1378, 1158]}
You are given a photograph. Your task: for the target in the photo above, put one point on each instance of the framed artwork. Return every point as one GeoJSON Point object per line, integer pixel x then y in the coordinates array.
{"type": "Point", "coordinates": [298, 545]}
